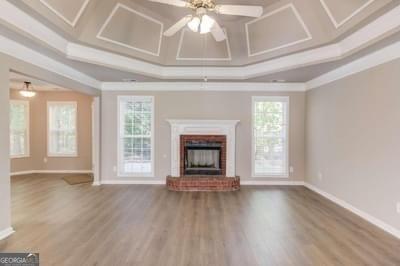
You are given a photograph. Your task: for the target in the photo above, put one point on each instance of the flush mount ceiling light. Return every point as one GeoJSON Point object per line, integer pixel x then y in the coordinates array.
{"type": "Point", "coordinates": [27, 90]}
{"type": "Point", "coordinates": [201, 22]}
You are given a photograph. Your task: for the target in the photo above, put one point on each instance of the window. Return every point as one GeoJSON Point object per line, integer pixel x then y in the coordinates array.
{"type": "Point", "coordinates": [270, 136]}
{"type": "Point", "coordinates": [135, 131]}
{"type": "Point", "coordinates": [19, 129]}
{"type": "Point", "coordinates": [62, 131]}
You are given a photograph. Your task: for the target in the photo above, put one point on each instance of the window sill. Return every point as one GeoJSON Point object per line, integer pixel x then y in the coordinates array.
{"type": "Point", "coordinates": [62, 155]}
{"type": "Point", "coordinates": [20, 157]}
{"type": "Point", "coordinates": [271, 176]}
{"type": "Point", "coordinates": [136, 175]}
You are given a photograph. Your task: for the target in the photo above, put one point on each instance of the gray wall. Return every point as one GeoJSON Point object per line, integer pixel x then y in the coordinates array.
{"type": "Point", "coordinates": [353, 140]}
{"type": "Point", "coordinates": [201, 105]}
{"type": "Point", "coordinates": [5, 210]}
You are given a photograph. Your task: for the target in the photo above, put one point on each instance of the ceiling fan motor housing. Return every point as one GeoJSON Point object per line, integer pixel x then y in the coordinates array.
{"type": "Point", "coordinates": [207, 4]}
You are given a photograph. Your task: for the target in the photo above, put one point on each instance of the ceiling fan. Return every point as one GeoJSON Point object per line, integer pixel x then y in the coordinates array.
{"type": "Point", "coordinates": [201, 22]}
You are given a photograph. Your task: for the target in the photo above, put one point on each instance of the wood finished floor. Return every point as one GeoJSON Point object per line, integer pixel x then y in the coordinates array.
{"type": "Point", "coordinates": [147, 225]}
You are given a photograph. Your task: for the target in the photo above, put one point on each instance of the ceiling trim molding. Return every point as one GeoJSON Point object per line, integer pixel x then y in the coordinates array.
{"type": "Point", "coordinates": [228, 49]}
{"type": "Point", "coordinates": [111, 15]}
{"type": "Point", "coordinates": [385, 55]}
{"type": "Point", "coordinates": [16, 17]}
{"type": "Point", "coordinates": [77, 17]}
{"type": "Point", "coordinates": [341, 23]}
{"type": "Point", "coordinates": [374, 31]}
{"type": "Point", "coordinates": [280, 9]}
{"type": "Point", "coordinates": [202, 86]}
{"type": "Point", "coordinates": [16, 50]}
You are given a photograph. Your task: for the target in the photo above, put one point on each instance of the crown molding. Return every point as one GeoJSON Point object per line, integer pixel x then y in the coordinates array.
{"type": "Point", "coordinates": [202, 86]}
{"type": "Point", "coordinates": [27, 24]}
{"type": "Point", "coordinates": [385, 55]}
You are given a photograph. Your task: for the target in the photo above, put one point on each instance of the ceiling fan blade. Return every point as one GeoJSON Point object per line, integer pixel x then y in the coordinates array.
{"type": "Point", "coordinates": [238, 10]}
{"type": "Point", "coordinates": [172, 2]}
{"type": "Point", "coordinates": [178, 26]}
{"type": "Point", "coordinates": [217, 32]}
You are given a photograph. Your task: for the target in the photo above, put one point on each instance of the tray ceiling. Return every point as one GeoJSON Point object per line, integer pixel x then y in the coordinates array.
{"type": "Point", "coordinates": [134, 28]}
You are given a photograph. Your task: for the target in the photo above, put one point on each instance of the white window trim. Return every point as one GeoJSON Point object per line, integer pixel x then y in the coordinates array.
{"type": "Point", "coordinates": [28, 139]}
{"type": "Point", "coordinates": [120, 149]}
{"type": "Point", "coordinates": [253, 152]}
{"type": "Point", "coordinates": [60, 155]}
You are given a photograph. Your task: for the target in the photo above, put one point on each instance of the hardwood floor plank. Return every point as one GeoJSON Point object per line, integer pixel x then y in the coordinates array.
{"type": "Point", "coordinates": [148, 225]}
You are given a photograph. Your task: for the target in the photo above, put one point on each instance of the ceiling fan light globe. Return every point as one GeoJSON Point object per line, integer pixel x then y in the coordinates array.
{"type": "Point", "coordinates": [194, 24]}
{"type": "Point", "coordinates": [207, 23]}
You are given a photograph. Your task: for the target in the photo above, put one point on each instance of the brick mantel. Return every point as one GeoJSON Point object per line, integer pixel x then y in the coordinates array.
{"type": "Point", "coordinates": [203, 127]}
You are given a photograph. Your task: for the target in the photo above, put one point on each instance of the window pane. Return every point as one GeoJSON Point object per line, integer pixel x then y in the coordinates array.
{"type": "Point", "coordinates": [270, 137]}
{"type": "Point", "coordinates": [62, 128]}
{"type": "Point", "coordinates": [19, 126]}
{"type": "Point", "coordinates": [136, 118]}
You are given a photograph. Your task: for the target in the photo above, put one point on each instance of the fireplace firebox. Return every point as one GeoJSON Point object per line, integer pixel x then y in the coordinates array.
{"type": "Point", "coordinates": [203, 155]}
{"type": "Point", "coordinates": [202, 158]}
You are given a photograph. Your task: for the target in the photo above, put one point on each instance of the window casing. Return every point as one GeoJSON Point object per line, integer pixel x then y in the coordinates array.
{"type": "Point", "coordinates": [270, 137]}
{"type": "Point", "coordinates": [19, 129]}
{"type": "Point", "coordinates": [136, 136]}
{"type": "Point", "coordinates": [62, 136]}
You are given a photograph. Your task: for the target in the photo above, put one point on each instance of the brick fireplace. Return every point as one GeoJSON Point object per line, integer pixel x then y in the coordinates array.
{"type": "Point", "coordinates": [211, 151]}
{"type": "Point", "coordinates": [203, 155]}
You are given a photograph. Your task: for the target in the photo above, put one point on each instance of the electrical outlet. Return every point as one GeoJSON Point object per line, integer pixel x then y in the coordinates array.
{"type": "Point", "coordinates": [320, 176]}
{"type": "Point", "coordinates": [45, 160]}
{"type": "Point", "coordinates": [398, 207]}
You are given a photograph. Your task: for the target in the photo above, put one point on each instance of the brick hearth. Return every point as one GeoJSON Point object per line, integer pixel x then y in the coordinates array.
{"type": "Point", "coordinates": [203, 183]}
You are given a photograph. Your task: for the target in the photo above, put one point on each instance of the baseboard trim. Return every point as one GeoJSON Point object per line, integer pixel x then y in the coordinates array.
{"type": "Point", "coordinates": [371, 219]}
{"type": "Point", "coordinates": [270, 183]}
{"type": "Point", "coordinates": [6, 233]}
{"type": "Point", "coordinates": [132, 182]}
{"type": "Point", "coordinates": [52, 172]}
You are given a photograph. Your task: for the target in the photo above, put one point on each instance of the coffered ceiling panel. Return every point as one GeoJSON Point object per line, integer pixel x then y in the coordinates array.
{"type": "Point", "coordinates": [275, 30]}
{"type": "Point", "coordinates": [341, 11]}
{"type": "Point", "coordinates": [69, 11]}
{"type": "Point", "coordinates": [132, 29]}
{"type": "Point", "coordinates": [194, 46]}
